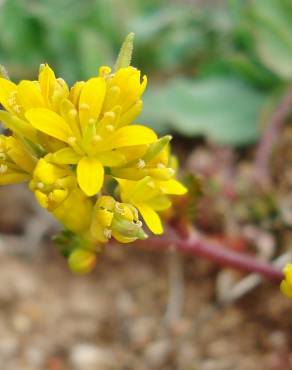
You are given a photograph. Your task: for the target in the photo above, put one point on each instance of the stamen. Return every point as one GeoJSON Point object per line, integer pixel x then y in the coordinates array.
{"type": "Point", "coordinates": [3, 168]}
{"type": "Point", "coordinates": [119, 208]}
{"type": "Point", "coordinates": [40, 185]}
{"type": "Point", "coordinates": [109, 115]}
{"type": "Point", "coordinates": [71, 140]}
{"type": "Point", "coordinates": [110, 128]}
{"type": "Point", "coordinates": [107, 233]}
{"type": "Point", "coordinates": [96, 139]}
{"type": "Point", "coordinates": [17, 108]}
{"type": "Point", "coordinates": [11, 101]}
{"type": "Point", "coordinates": [138, 223]}
{"type": "Point", "coordinates": [104, 70]}
{"type": "Point", "coordinates": [73, 113]}
{"type": "Point", "coordinates": [141, 163]}
{"type": "Point", "coordinates": [84, 106]}
{"type": "Point", "coordinates": [151, 184]}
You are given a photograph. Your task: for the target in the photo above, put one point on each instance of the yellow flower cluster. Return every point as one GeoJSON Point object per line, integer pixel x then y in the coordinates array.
{"type": "Point", "coordinates": [83, 157]}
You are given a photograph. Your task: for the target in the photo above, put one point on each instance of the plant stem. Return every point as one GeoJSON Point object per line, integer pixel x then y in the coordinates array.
{"type": "Point", "coordinates": [270, 136]}
{"type": "Point", "coordinates": [200, 247]}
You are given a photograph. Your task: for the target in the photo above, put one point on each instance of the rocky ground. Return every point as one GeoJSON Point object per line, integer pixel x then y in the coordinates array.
{"type": "Point", "coordinates": [114, 318]}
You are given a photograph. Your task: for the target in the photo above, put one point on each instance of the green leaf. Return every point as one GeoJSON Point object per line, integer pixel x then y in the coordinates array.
{"type": "Point", "coordinates": [223, 109]}
{"type": "Point", "coordinates": [125, 54]}
{"type": "Point", "coordinates": [271, 23]}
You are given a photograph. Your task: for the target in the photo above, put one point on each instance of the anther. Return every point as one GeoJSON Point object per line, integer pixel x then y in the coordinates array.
{"type": "Point", "coordinates": [73, 113]}
{"type": "Point", "coordinates": [119, 208]}
{"type": "Point", "coordinates": [96, 139]}
{"type": "Point", "coordinates": [141, 163]}
{"type": "Point", "coordinates": [3, 168]}
{"type": "Point", "coordinates": [110, 128]}
{"type": "Point", "coordinates": [109, 114]}
{"type": "Point", "coordinates": [71, 140]}
{"type": "Point", "coordinates": [40, 185]}
{"type": "Point", "coordinates": [138, 223]}
{"type": "Point", "coordinates": [84, 106]}
{"type": "Point", "coordinates": [17, 108]}
{"type": "Point", "coordinates": [107, 233]}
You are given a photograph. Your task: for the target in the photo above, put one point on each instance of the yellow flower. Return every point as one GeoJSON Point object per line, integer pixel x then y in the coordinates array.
{"type": "Point", "coordinates": [148, 160]}
{"type": "Point", "coordinates": [86, 125]}
{"type": "Point", "coordinates": [150, 197]}
{"type": "Point", "coordinates": [112, 218]}
{"type": "Point", "coordinates": [16, 162]}
{"type": "Point", "coordinates": [55, 188]}
{"type": "Point", "coordinates": [286, 284]}
{"type": "Point", "coordinates": [77, 146]}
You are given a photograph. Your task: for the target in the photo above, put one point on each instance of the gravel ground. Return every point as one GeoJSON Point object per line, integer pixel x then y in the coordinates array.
{"type": "Point", "coordinates": [114, 318]}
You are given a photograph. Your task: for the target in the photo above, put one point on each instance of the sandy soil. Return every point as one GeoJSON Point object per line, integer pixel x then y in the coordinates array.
{"type": "Point", "coordinates": [114, 318]}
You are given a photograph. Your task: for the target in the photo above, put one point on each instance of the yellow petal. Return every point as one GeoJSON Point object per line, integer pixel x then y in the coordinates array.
{"type": "Point", "coordinates": [7, 88]}
{"type": "Point", "coordinates": [91, 99]}
{"type": "Point", "coordinates": [20, 156]}
{"type": "Point", "coordinates": [30, 95]}
{"type": "Point", "coordinates": [8, 178]}
{"type": "Point", "coordinates": [138, 191]}
{"type": "Point", "coordinates": [132, 173]}
{"type": "Point", "coordinates": [131, 114]}
{"type": "Point", "coordinates": [90, 174]}
{"type": "Point", "coordinates": [128, 136]}
{"type": "Point", "coordinates": [70, 115]}
{"type": "Point", "coordinates": [18, 126]}
{"type": "Point", "coordinates": [286, 289]}
{"type": "Point", "coordinates": [75, 211]}
{"type": "Point", "coordinates": [75, 92]}
{"type": "Point", "coordinates": [49, 123]}
{"type": "Point", "coordinates": [104, 217]}
{"type": "Point", "coordinates": [47, 81]}
{"type": "Point", "coordinates": [172, 187]}
{"type": "Point", "coordinates": [41, 198]}
{"type": "Point", "coordinates": [48, 173]}
{"type": "Point", "coordinates": [65, 156]}
{"type": "Point", "coordinates": [111, 158]}
{"type": "Point", "coordinates": [288, 273]}
{"type": "Point", "coordinates": [151, 218]}
{"type": "Point", "coordinates": [159, 203]}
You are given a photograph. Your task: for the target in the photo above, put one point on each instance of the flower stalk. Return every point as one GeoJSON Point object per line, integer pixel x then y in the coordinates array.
{"type": "Point", "coordinates": [197, 246]}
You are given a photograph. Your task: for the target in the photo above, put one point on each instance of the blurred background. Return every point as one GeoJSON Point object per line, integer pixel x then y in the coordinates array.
{"type": "Point", "coordinates": [218, 72]}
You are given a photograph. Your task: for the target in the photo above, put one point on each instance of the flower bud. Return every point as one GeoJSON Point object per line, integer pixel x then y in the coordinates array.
{"type": "Point", "coordinates": [82, 261]}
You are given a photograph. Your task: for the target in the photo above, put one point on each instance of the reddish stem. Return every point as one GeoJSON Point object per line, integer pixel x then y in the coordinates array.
{"type": "Point", "coordinates": [214, 252]}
